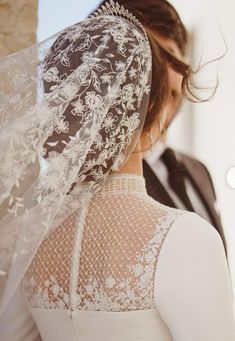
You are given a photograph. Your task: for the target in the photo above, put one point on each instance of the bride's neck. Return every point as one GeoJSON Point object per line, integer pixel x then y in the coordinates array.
{"type": "Point", "coordinates": [134, 164]}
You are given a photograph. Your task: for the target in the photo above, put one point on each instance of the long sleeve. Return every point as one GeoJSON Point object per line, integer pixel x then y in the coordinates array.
{"type": "Point", "coordinates": [192, 288]}
{"type": "Point", "coordinates": [17, 323]}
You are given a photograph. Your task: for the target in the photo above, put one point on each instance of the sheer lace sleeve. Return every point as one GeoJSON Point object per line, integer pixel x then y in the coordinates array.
{"type": "Point", "coordinates": [192, 285]}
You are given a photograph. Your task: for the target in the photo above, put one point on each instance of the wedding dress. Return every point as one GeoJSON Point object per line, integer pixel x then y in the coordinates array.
{"type": "Point", "coordinates": [85, 253]}
{"type": "Point", "coordinates": [145, 272]}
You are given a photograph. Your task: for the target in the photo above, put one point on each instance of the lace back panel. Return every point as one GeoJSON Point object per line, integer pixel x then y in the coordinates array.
{"type": "Point", "coordinates": [115, 266]}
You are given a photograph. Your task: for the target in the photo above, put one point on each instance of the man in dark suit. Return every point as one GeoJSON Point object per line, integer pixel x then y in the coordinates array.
{"type": "Point", "coordinates": [173, 178]}
{"type": "Point", "coordinates": [178, 180]}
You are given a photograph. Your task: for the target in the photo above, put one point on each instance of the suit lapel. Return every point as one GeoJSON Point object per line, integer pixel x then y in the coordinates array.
{"type": "Point", "coordinates": [196, 174]}
{"type": "Point", "coordinates": [200, 179]}
{"type": "Point", "coordinates": [155, 188]}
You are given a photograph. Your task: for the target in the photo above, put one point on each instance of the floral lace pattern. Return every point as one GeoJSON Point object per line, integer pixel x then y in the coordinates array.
{"type": "Point", "coordinates": [123, 234]}
{"type": "Point", "coordinates": [120, 72]}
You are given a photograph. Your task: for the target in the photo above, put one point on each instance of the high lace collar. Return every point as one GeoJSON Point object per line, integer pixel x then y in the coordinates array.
{"type": "Point", "coordinates": [123, 183]}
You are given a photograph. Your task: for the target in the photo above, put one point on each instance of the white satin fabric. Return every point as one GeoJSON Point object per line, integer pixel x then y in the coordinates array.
{"type": "Point", "coordinates": [142, 325]}
{"type": "Point", "coordinates": [193, 298]}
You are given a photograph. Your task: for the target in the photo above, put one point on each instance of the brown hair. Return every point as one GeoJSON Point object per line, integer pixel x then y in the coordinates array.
{"type": "Point", "coordinates": [159, 16]}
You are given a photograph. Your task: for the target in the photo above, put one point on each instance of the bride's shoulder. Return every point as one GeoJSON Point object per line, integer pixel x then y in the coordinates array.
{"type": "Point", "coordinates": [181, 216]}
{"type": "Point", "coordinates": [192, 222]}
{"type": "Point", "coordinates": [159, 209]}
{"type": "Point", "coordinates": [189, 230]}
{"type": "Point", "coordinates": [183, 224]}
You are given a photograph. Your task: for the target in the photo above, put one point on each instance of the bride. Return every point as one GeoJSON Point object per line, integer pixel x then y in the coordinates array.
{"type": "Point", "coordinates": [85, 253]}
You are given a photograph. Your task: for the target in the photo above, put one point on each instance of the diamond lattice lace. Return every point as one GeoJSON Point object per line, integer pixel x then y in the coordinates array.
{"type": "Point", "coordinates": [114, 268]}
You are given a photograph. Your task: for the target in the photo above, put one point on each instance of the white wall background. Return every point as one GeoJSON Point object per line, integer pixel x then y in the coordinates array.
{"type": "Point", "coordinates": [211, 126]}
{"type": "Point", "coordinates": [204, 130]}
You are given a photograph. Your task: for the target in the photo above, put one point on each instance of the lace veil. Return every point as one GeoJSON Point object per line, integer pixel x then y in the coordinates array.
{"type": "Point", "coordinates": [71, 111]}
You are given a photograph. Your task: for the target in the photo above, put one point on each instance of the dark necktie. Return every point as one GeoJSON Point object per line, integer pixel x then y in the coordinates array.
{"type": "Point", "coordinates": [176, 176]}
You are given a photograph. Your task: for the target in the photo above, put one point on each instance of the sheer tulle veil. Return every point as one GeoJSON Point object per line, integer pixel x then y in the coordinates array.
{"type": "Point", "coordinates": [71, 111]}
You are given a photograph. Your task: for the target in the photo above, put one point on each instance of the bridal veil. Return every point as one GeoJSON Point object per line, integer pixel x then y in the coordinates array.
{"type": "Point", "coordinates": [71, 111]}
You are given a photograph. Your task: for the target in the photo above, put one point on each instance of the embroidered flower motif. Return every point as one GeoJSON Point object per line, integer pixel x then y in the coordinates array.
{"type": "Point", "coordinates": [110, 282]}
{"type": "Point", "coordinates": [69, 91]}
{"type": "Point", "coordinates": [55, 175]}
{"type": "Point", "coordinates": [109, 122]}
{"type": "Point", "coordinates": [127, 92]}
{"type": "Point", "coordinates": [138, 269]}
{"type": "Point", "coordinates": [79, 108]}
{"type": "Point", "coordinates": [51, 75]}
{"type": "Point", "coordinates": [131, 122]}
{"type": "Point", "coordinates": [138, 91]}
{"type": "Point", "coordinates": [127, 96]}
{"type": "Point", "coordinates": [97, 173]}
{"type": "Point", "coordinates": [122, 78]}
{"type": "Point", "coordinates": [62, 126]}
{"type": "Point", "coordinates": [144, 79]}
{"type": "Point", "coordinates": [132, 73]}
{"type": "Point", "coordinates": [121, 37]}
{"type": "Point", "coordinates": [93, 100]}
{"type": "Point", "coordinates": [106, 78]}
{"type": "Point", "coordinates": [120, 66]}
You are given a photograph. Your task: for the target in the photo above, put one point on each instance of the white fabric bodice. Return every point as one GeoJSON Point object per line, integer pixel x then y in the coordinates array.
{"type": "Point", "coordinates": [112, 277]}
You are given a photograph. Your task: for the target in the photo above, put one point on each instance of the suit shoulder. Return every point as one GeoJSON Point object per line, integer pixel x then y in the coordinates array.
{"type": "Point", "coordinates": [191, 160]}
{"type": "Point", "coordinates": [191, 163]}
